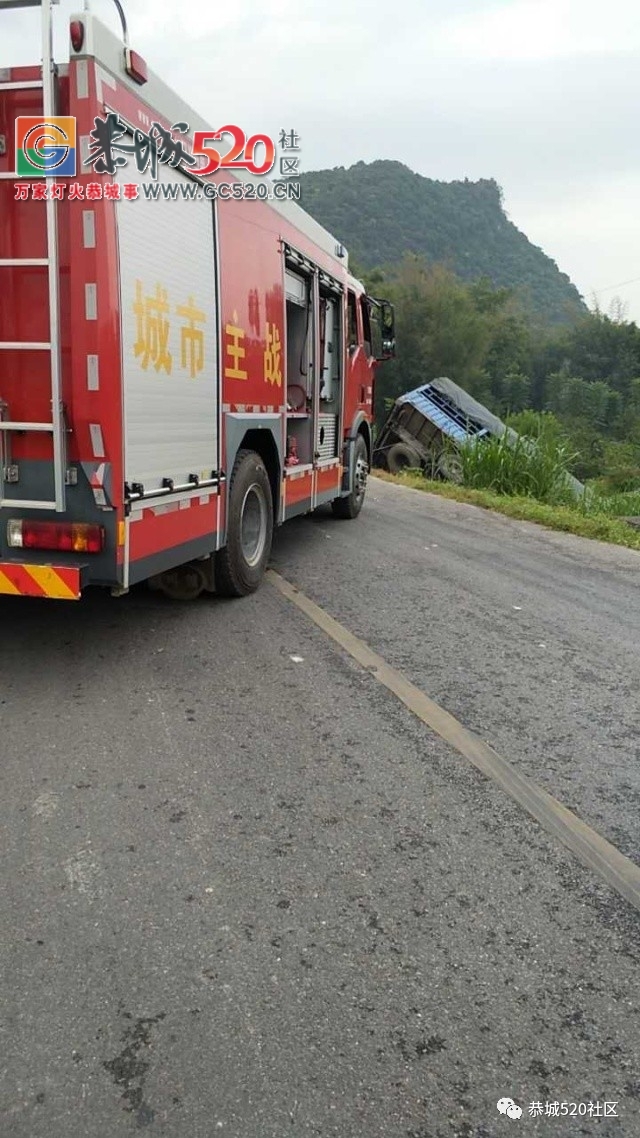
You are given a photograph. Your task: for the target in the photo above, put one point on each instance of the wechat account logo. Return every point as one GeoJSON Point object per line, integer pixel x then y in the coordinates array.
{"type": "Point", "coordinates": [510, 1108]}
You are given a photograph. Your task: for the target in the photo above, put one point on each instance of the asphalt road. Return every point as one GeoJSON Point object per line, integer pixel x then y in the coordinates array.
{"type": "Point", "coordinates": [245, 892]}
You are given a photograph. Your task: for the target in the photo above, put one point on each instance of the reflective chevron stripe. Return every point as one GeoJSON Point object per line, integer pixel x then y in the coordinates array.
{"type": "Point", "coordinates": [61, 583]}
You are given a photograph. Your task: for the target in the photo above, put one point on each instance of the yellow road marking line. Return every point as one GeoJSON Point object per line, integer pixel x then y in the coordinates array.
{"type": "Point", "coordinates": [591, 848]}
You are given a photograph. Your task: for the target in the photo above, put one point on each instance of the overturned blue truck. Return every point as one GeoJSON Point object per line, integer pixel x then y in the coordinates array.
{"type": "Point", "coordinates": [422, 425]}
{"type": "Point", "coordinates": [426, 426]}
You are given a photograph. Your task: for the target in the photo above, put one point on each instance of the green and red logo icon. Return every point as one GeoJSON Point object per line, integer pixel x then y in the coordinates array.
{"type": "Point", "coordinates": [46, 147]}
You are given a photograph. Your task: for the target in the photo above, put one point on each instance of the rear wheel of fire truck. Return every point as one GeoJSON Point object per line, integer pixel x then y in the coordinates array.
{"type": "Point", "coordinates": [184, 583]}
{"type": "Point", "coordinates": [240, 566]}
{"type": "Point", "coordinates": [351, 504]}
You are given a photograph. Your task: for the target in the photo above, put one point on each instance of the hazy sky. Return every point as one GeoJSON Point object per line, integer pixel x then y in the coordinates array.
{"type": "Point", "coordinates": [542, 95]}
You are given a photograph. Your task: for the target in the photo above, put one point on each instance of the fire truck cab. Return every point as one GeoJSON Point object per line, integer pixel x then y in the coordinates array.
{"type": "Point", "coordinates": [178, 373]}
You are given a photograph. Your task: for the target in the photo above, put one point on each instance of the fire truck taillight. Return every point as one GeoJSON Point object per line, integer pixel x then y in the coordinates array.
{"type": "Point", "coordinates": [135, 66]}
{"type": "Point", "coordinates": [76, 31]}
{"type": "Point", "coordinates": [64, 537]}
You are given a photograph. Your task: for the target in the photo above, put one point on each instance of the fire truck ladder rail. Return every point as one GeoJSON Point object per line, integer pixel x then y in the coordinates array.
{"type": "Point", "coordinates": [26, 504]}
{"type": "Point", "coordinates": [18, 262]}
{"type": "Point", "coordinates": [20, 4]}
{"type": "Point", "coordinates": [42, 427]}
{"type": "Point", "coordinates": [21, 85]}
{"type": "Point", "coordinates": [25, 345]}
{"type": "Point", "coordinates": [57, 427]}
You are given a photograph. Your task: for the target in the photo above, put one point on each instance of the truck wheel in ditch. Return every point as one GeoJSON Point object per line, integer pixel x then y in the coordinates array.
{"type": "Point", "coordinates": [240, 566]}
{"type": "Point", "coordinates": [401, 457]}
{"type": "Point", "coordinates": [450, 468]}
{"type": "Point", "coordinates": [351, 504]}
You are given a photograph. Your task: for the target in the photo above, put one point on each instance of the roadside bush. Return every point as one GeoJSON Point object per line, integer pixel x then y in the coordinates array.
{"type": "Point", "coordinates": [537, 425]}
{"type": "Point", "coordinates": [521, 467]}
{"type": "Point", "coordinates": [615, 505]}
{"type": "Point", "coordinates": [621, 481]}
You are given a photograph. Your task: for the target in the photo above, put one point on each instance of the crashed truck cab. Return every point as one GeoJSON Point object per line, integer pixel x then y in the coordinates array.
{"type": "Point", "coordinates": [179, 373]}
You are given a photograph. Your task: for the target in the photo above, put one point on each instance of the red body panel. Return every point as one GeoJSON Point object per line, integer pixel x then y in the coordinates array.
{"type": "Point", "coordinates": [165, 524]}
{"type": "Point", "coordinates": [328, 479]}
{"type": "Point", "coordinates": [298, 488]}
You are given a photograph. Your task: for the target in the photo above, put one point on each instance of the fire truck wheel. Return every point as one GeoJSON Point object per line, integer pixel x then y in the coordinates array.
{"type": "Point", "coordinates": [241, 564]}
{"type": "Point", "coordinates": [350, 506]}
{"type": "Point", "coordinates": [184, 583]}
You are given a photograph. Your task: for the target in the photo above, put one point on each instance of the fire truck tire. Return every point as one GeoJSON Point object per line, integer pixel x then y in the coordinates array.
{"type": "Point", "coordinates": [402, 457]}
{"type": "Point", "coordinates": [350, 506]}
{"type": "Point", "coordinates": [240, 566]}
{"type": "Point", "coordinates": [184, 583]}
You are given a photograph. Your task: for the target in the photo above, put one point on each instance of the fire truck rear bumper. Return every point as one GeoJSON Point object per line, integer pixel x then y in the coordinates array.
{"type": "Point", "coordinates": [61, 583]}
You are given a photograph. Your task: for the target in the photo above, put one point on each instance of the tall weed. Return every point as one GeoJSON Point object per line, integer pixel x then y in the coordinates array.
{"type": "Point", "coordinates": [519, 467]}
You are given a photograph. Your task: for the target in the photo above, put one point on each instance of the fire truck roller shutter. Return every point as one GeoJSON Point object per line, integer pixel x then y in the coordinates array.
{"type": "Point", "coordinates": [168, 296]}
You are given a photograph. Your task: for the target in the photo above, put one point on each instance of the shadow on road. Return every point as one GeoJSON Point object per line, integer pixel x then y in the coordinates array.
{"type": "Point", "coordinates": [34, 631]}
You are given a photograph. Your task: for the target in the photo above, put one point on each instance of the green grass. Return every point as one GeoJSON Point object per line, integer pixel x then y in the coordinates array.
{"type": "Point", "coordinates": [569, 519]}
{"type": "Point", "coordinates": [521, 468]}
{"type": "Point", "coordinates": [624, 505]}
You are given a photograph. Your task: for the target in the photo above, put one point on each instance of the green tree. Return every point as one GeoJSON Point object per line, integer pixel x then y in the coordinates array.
{"type": "Point", "coordinates": [515, 393]}
{"type": "Point", "coordinates": [439, 331]}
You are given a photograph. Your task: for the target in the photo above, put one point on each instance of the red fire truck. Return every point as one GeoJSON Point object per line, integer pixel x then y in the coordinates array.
{"type": "Point", "coordinates": [178, 373]}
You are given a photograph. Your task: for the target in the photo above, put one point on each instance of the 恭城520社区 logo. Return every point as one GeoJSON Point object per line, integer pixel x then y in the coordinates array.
{"type": "Point", "coordinates": [46, 147]}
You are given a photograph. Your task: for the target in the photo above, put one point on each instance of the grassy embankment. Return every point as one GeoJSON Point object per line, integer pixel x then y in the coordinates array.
{"type": "Point", "coordinates": [529, 483]}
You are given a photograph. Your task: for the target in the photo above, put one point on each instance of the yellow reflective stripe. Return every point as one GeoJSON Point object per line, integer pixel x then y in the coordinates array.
{"type": "Point", "coordinates": [7, 586]}
{"type": "Point", "coordinates": [51, 584]}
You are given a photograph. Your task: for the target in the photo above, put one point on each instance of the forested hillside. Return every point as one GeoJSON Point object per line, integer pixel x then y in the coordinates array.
{"type": "Point", "coordinates": [382, 210]}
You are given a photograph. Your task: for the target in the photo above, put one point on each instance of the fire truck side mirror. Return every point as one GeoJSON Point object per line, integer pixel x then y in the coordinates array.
{"type": "Point", "coordinates": [386, 317]}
